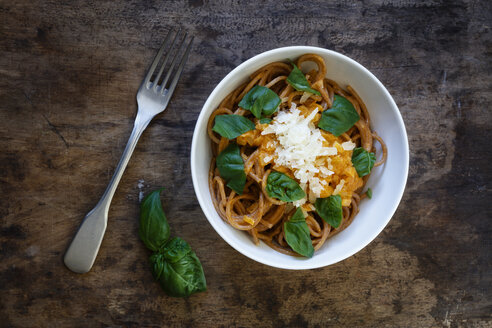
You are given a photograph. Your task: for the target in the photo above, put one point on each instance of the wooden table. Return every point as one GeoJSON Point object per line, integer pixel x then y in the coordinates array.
{"type": "Point", "coordinates": [69, 72]}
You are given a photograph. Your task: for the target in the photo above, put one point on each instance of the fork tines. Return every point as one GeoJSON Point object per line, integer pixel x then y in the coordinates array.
{"type": "Point", "coordinates": [177, 46]}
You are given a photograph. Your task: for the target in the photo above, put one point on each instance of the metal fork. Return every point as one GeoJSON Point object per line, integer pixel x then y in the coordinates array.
{"type": "Point", "coordinates": [152, 99]}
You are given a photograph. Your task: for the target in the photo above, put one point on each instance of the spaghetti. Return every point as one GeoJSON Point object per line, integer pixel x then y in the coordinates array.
{"type": "Point", "coordinates": [255, 211]}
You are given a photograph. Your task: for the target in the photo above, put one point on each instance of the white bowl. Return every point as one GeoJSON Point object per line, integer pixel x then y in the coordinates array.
{"type": "Point", "coordinates": [387, 181]}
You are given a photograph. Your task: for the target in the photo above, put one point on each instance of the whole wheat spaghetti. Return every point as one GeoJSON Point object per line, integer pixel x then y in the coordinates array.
{"type": "Point", "coordinates": [255, 211]}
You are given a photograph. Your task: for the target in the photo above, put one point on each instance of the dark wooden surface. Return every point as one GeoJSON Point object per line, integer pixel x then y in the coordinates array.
{"type": "Point", "coordinates": [69, 72]}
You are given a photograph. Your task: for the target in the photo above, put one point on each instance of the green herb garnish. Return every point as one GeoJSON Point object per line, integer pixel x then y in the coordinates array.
{"type": "Point", "coordinates": [178, 270]}
{"type": "Point", "coordinates": [330, 210]}
{"type": "Point", "coordinates": [297, 234]}
{"type": "Point", "coordinates": [281, 187]}
{"type": "Point", "coordinates": [369, 193]}
{"type": "Point", "coordinates": [340, 117]}
{"type": "Point", "coordinates": [174, 264]}
{"type": "Point", "coordinates": [232, 126]}
{"type": "Point", "coordinates": [363, 161]}
{"type": "Point", "coordinates": [154, 229]}
{"type": "Point", "coordinates": [298, 81]}
{"type": "Point", "coordinates": [260, 100]}
{"type": "Point", "coordinates": [231, 168]}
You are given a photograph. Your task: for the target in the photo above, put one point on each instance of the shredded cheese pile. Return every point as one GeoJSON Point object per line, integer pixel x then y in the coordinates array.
{"type": "Point", "coordinates": [300, 146]}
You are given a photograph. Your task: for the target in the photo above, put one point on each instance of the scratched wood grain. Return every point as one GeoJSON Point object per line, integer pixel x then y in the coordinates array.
{"type": "Point", "coordinates": [69, 72]}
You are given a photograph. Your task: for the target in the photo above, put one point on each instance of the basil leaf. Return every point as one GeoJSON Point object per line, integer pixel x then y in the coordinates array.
{"type": "Point", "coordinates": [330, 210]}
{"type": "Point", "coordinates": [260, 100]}
{"type": "Point", "coordinates": [175, 249]}
{"type": "Point", "coordinates": [298, 81]}
{"type": "Point", "coordinates": [178, 270]}
{"type": "Point", "coordinates": [232, 126]}
{"type": "Point", "coordinates": [231, 168]}
{"type": "Point", "coordinates": [157, 265]}
{"type": "Point", "coordinates": [282, 187]}
{"type": "Point", "coordinates": [153, 228]}
{"type": "Point", "coordinates": [297, 234]}
{"type": "Point", "coordinates": [265, 120]}
{"type": "Point", "coordinates": [257, 107]}
{"type": "Point", "coordinates": [369, 193]}
{"type": "Point", "coordinates": [363, 161]}
{"type": "Point", "coordinates": [340, 117]}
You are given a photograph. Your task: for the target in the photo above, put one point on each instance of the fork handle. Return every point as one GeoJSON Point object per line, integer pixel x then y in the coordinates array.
{"type": "Point", "coordinates": [141, 123]}
{"type": "Point", "coordinates": [83, 249]}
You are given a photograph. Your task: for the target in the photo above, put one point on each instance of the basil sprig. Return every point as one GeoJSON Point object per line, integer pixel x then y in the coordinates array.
{"type": "Point", "coordinates": [154, 229]}
{"type": "Point", "coordinates": [173, 263]}
{"type": "Point", "coordinates": [298, 81]}
{"type": "Point", "coordinates": [297, 234]}
{"type": "Point", "coordinates": [340, 117]}
{"type": "Point", "coordinates": [363, 161]}
{"type": "Point", "coordinates": [231, 168]}
{"type": "Point", "coordinates": [265, 120]}
{"type": "Point", "coordinates": [369, 193]}
{"type": "Point", "coordinates": [282, 187]}
{"type": "Point", "coordinates": [232, 126]}
{"type": "Point", "coordinates": [330, 210]}
{"type": "Point", "coordinates": [178, 270]}
{"type": "Point", "coordinates": [260, 100]}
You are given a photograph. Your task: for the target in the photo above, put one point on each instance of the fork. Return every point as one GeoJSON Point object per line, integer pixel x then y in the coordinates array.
{"type": "Point", "coordinates": [152, 99]}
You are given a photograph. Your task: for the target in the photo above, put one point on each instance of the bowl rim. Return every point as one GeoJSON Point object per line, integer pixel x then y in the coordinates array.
{"type": "Point", "coordinates": [204, 204]}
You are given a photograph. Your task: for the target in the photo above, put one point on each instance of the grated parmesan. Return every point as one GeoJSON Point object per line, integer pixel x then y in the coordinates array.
{"type": "Point", "coordinates": [339, 187]}
{"type": "Point", "coordinates": [299, 145]}
{"type": "Point", "coordinates": [325, 172]}
{"type": "Point", "coordinates": [348, 145]}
